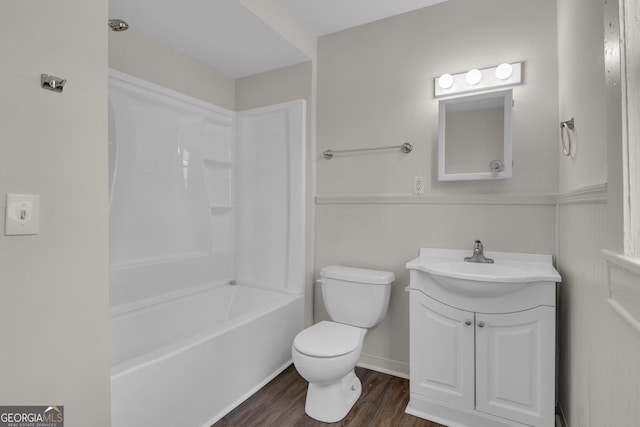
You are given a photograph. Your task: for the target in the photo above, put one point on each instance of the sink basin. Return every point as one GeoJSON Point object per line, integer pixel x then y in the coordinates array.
{"type": "Point", "coordinates": [477, 280]}
{"type": "Point", "coordinates": [509, 273]}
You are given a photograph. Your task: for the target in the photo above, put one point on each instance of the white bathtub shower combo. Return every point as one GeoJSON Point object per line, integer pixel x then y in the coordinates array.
{"type": "Point", "coordinates": [206, 251]}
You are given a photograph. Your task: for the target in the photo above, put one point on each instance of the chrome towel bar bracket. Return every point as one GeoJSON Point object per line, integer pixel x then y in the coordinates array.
{"type": "Point", "coordinates": [566, 126]}
{"type": "Point", "coordinates": [53, 83]}
{"type": "Point", "coordinates": [405, 148]}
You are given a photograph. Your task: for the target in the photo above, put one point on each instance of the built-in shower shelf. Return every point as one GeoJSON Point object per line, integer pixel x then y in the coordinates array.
{"type": "Point", "coordinates": [221, 208]}
{"type": "Point", "coordinates": [219, 177]}
{"type": "Point", "coordinates": [210, 162]}
{"type": "Point", "coordinates": [222, 251]}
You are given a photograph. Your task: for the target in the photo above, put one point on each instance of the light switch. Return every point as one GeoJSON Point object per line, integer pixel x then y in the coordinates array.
{"type": "Point", "coordinates": [22, 214]}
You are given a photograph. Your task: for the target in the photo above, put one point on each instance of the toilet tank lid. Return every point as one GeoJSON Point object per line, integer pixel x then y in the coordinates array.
{"type": "Point", "coordinates": [352, 274]}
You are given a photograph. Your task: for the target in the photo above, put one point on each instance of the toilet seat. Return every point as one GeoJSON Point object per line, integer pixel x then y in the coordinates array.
{"type": "Point", "coordinates": [328, 339]}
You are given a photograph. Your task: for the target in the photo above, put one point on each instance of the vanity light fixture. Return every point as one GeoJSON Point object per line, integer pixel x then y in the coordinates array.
{"type": "Point", "coordinates": [475, 79]}
{"type": "Point", "coordinates": [504, 71]}
{"type": "Point", "coordinates": [473, 76]}
{"type": "Point", "coordinates": [445, 81]}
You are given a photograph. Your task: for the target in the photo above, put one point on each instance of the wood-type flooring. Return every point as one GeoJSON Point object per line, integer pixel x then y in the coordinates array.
{"type": "Point", "coordinates": [281, 404]}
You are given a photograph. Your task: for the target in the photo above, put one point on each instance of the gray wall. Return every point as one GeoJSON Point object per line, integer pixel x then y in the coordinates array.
{"type": "Point", "coordinates": [599, 351]}
{"type": "Point", "coordinates": [375, 88]}
{"type": "Point", "coordinates": [53, 286]}
{"type": "Point", "coordinates": [273, 87]}
{"type": "Point", "coordinates": [139, 56]}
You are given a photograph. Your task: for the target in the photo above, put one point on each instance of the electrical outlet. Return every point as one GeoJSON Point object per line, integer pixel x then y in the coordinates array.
{"type": "Point", "coordinates": [418, 185]}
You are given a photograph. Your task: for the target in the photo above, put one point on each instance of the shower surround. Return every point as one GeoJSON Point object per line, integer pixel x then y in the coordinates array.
{"type": "Point", "coordinates": [206, 251]}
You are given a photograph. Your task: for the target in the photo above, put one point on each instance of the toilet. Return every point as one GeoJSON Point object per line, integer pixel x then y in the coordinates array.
{"type": "Point", "coordinates": [326, 353]}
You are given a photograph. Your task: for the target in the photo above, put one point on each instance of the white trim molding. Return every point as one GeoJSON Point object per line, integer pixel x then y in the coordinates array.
{"type": "Point", "coordinates": [439, 199]}
{"type": "Point", "coordinates": [591, 194]}
{"type": "Point", "coordinates": [624, 286]}
{"type": "Point", "coordinates": [629, 10]}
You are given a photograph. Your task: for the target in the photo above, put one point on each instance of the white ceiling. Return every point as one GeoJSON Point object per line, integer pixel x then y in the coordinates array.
{"type": "Point", "coordinates": [225, 35]}
{"type": "Point", "coordinates": [328, 16]}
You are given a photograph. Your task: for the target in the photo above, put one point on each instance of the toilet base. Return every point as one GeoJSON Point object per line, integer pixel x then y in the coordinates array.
{"type": "Point", "coordinates": [331, 402]}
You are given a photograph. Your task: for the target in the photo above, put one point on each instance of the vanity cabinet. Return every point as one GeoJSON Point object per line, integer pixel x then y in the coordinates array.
{"type": "Point", "coordinates": [515, 365]}
{"type": "Point", "coordinates": [442, 351]}
{"type": "Point", "coordinates": [482, 361]}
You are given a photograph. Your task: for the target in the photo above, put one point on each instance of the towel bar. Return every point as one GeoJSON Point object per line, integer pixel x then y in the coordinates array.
{"type": "Point", "coordinates": [405, 148]}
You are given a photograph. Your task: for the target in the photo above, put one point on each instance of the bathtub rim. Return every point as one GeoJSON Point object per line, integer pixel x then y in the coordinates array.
{"type": "Point", "coordinates": [166, 297]}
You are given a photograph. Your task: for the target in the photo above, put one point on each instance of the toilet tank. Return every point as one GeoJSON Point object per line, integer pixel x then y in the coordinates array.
{"type": "Point", "coordinates": [356, 296]}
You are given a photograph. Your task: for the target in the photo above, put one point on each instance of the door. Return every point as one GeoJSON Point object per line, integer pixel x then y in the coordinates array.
{"type": "Point", "coordinates": [442, 347]}
{"type": "Point", "coordinates": [515, 365]}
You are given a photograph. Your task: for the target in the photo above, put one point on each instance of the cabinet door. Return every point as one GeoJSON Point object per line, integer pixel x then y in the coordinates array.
{"type": "Point", "coordinates": [515, 365]}
{"type": "Point", "coordinates": [441, 351]}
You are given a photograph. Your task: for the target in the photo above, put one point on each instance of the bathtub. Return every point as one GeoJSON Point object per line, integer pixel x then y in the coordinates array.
{"type": "Point", "coordinates": [189, 360]}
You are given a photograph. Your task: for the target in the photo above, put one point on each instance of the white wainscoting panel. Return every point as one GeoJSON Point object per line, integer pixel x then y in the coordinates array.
{"type": "Point", "coordinates": [599, 373]}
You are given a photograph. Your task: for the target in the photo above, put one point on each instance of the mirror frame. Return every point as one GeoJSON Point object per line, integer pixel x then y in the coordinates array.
{"type": "Point", "coordinates": [507, 99]}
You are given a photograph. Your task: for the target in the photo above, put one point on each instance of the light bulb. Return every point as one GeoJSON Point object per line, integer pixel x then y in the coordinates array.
{"type": "Point", "coordinates": [445, 81]}
{"type": "Point", "coordinates": [473, 76]}
{"type": "Point", "coordinates": [504, 71]}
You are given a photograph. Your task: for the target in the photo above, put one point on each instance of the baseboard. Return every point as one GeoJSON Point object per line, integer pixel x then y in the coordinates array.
{"type": "Point", "coordinates": [385, 366]}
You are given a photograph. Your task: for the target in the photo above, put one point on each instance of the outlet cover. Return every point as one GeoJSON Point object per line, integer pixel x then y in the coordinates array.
{"type": "Point", "coordinates": [22, 214]}
{"type": "Point", "coordinates": [418, 185]}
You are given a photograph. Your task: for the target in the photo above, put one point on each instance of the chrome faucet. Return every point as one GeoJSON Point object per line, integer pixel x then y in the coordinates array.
{"type": "Point", "coordinates": [478, 255]}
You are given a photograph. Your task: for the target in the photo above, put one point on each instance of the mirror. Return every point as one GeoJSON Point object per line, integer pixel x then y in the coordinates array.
{"type": "Point", "coordinates": [475, 137]}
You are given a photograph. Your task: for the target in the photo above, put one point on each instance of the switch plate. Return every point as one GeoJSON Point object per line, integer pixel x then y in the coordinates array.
{"type": "Point", "coordinates": [22, 214]}
{"type": "Point", "coordinates": [418, 185]}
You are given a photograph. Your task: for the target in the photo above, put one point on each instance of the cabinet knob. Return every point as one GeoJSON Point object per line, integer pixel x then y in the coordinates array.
{"type": "Point", "coordinates": [468, 322]}
{"type": "Point", "coordinates": [481, 324]}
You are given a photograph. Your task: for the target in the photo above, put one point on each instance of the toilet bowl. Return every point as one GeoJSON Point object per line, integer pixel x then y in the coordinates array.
{"type": "Point", "coordinates": [326, 353]}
